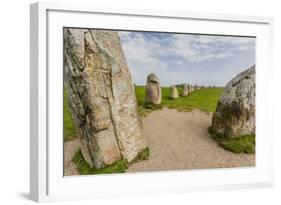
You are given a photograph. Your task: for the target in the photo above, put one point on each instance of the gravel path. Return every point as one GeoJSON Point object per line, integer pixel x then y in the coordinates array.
{"type": "Point", "coordinates": [180, 141]}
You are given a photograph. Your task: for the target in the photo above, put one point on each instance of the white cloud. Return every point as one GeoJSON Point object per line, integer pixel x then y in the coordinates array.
{"type": "Point", "coordinates": [199, 48]}
{"type": "Point", "coordinates": [140, 51]}
{"type": "Point", "coordinates": [166, 54]}
{"type": "Point", "coordinates": [192, 48]}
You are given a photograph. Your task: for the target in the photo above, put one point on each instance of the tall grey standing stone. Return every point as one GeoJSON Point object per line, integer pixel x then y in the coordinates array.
{"type": "Point", "coordinates": [185, 90]}
{"type": "Point", "coordinates": [174, 92]}
{"type": "Point", "coordinates": [153, 93]}
{"type": "Point", "coordinates": [101, 96]}
{"type": "Point", "coordinates": [235, 112]}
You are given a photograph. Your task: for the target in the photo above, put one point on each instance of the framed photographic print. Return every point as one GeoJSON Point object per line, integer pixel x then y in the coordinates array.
{"type": "Point", "coordinates": [127, 102]}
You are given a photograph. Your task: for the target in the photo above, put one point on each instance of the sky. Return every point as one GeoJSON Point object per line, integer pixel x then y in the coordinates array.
{"type": "Point", "coordinates": [186, 58]}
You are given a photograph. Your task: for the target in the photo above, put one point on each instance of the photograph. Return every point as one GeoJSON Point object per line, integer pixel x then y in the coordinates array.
{"type": "Point", "coordinates": [150, 101]}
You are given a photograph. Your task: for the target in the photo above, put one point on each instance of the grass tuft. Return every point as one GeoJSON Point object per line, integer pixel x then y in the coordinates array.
{"type": "Point", "coordinates": [145, 108]}
{"type": "Point", "coordinates": [143, 155]}
{"type": "Point", "coordinates": [242, 144]}
{"type": "Point", "coordinates": [83, 167]}
{"type": "Point", "coordinates": [118, 167]}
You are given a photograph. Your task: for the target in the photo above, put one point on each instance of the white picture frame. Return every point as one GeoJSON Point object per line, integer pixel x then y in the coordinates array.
{"type": "Point", "coordinates": [46, 177]}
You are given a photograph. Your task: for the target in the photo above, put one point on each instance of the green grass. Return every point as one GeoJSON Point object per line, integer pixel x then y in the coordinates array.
{"type": "Point", "coordinates": [84, 168]}
{"type": "Point", "coordinates": [69, 132]}
{"type": "Point", "coordinates": [204, 99]}
{"type": "Point", "coordinates": [118, 167]}
{"type": "Point", "coordinates": [242, 144]}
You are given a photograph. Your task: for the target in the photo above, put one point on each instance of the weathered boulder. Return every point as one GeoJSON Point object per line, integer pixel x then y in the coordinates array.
{"type": "Point", "coordinates": [235, 112]}
{"type": "Point", "coordinates": [174, 92]}
{"type": "Point", "coordinates": [184, 90]}
{"type": "Point", "coordinates": [101, 96]}
{"type": "Point", "coordinates": [153, 93]}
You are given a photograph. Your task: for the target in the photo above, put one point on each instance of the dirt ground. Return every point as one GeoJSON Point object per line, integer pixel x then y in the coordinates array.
{"type": "Point", "coordinates": [177, 141]}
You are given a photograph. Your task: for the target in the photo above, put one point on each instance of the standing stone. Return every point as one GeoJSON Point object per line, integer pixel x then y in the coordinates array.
{"type": "Point", "coordinates": [101, 96]}
{"type": "Point", "coordinates": [153, 93]}
{"type": "Point", "coordinates": [189, 88]}
{"type": "Point", "coordinates": [235, 113]}
{"type": "Point", "coordinates": [185, 90]}
{"type": "Point", "coordinates": [174, 92]}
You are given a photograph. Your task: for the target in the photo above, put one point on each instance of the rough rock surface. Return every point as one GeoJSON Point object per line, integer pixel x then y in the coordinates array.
{"type": "Point", "coordinates": [153, 93]}
{"type": "Point", "coordinates": [101, 95]}
{"type": "Point", "coordinates": [184, 90]}
{"type": "Point", "coordinates": [235, 113]}
{"type": "Point", "coordinates": [174, 92]}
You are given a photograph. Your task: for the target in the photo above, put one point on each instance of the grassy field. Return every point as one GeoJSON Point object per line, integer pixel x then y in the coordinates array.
{"type": "Point", "coordinates": [204, 99]}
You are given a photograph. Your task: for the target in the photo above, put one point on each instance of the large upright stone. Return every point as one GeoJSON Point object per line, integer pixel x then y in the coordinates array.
{"type": "Point", "coordinates": [184, 90]}
{"type": "Point", "coordinates": [235, 113]}
{"type": "Point", "coordinates": [174, 92]}
{"type": "Point", "coordinates": [101, 96]}
{"type": "Point", "coordinates": [153, 93]}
